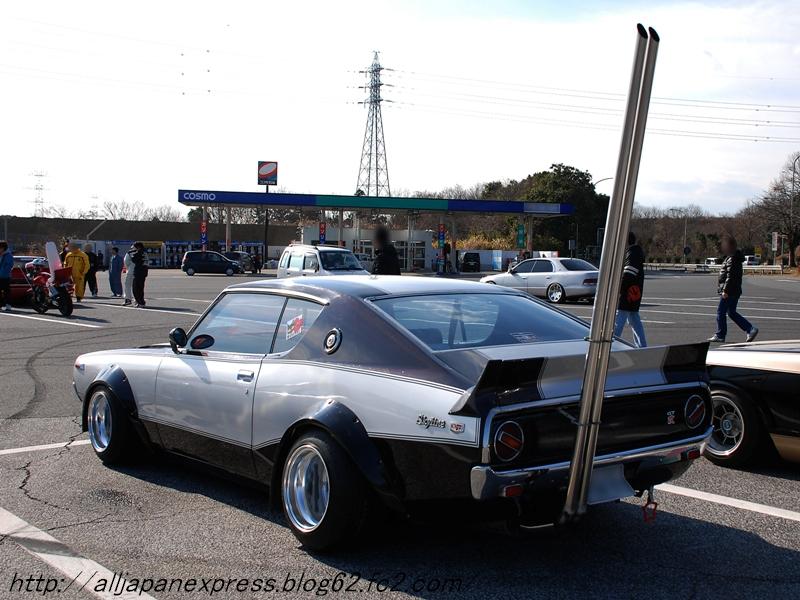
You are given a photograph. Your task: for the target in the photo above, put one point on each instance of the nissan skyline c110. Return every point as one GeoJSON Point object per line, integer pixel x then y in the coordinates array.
{"type": "Point", "coordinates": [341, 394]}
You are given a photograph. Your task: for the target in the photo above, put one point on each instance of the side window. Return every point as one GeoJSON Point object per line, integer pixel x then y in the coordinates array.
{"type": "Point", "coordinates": [241, 323]}
{"type": "Point", "coordinates": [296, 261]}
{"type": "Point", "coordinates": [284, 260]}
{"type": "Point", "coordinates": [524, 267]}
{"type": "Point", "coordinates": [311, 263]}
{"type": "Point", "coordinates": [297, 319]}
{"type": "Point", "coordinates": [543, 266]}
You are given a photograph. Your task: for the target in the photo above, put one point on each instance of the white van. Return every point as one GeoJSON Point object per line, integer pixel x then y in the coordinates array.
{"type": "Point", "coordinates": [300, 260]}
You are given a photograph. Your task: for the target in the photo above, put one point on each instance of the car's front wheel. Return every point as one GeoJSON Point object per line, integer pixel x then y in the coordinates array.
{"type": "Point", "coordinates": [190, 271]}
{"type": "Point", "coordinates": [738, 431]}
{"type": "Point", "coordinates": [228, 271]}
{"type": "Point", "coordinates": [324, 497]}
{"type": "Point", "coordinates": [556, 294]}
{"type": "Point", "coordinates": [110, 432]}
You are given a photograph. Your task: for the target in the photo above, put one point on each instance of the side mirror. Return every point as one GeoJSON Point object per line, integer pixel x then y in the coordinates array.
{"type": "Point", "coordinates": [511, 269]}
{"type": "Point", "coordinates": [177, 339]}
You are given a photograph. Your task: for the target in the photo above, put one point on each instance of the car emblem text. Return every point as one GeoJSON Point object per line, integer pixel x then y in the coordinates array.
{"type": "Point", "coordinates": [457, 427]}
{"type": "Point", "coordinates": [428, 422]}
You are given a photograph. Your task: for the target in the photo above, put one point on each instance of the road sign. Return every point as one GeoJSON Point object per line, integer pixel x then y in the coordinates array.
{"type": "Point", "coordinates": [267, 172]}
{"type": "Point", "coordinates": [572, 245]}
{"type": "Point", "coordinates": [322, 229]}
{"type": "Point", "coordinates": [774, 241]}
{"type": "Point", "coordinates": [441, 235]}
{"type": "Point", "coordinates": [520, 235]}
{"type": "Point", "coordinates": [204, 233]}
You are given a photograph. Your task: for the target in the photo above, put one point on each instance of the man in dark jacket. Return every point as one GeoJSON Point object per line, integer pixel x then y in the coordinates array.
{"type": "Point", "coordinates": [730, 290]}
{"type": "Point", "coordinates": [91, 275]}
{"type": "Point", "coordinates": [630, 293]}
{"type": "Point", "coordinates": [140, 268]}
{"type": "Point", "coordinates": [386, 261]}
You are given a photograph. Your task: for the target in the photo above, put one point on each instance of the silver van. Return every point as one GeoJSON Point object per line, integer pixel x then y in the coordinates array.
{"type": "Point", "coordinates": [300, 260]}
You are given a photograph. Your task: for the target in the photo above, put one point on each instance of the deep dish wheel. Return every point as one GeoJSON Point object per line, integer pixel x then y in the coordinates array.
{"type": "Point", "coordinates": [324, 498]}
{"type": "Point", "coordinates": [738, 431]}
{"type": "Point", "coordinates": [556, 294]}
{"type": "Point", "coordinates": [110, 432]}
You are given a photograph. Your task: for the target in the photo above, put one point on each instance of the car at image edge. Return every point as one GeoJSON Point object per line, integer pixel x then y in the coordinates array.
{"type": "Point", "coordinates": [342, 393]}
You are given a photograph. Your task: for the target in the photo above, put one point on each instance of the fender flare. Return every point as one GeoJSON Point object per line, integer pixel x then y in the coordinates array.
{"type": "Point", "coordinates": [344, 426]}
{"type": "Point", "coordinates": [114, 378]}
{"type": "Point", "coordinates": [767, 420]}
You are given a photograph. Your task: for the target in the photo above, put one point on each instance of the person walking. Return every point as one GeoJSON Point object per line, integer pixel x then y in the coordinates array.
{"type": "Point", "coordinates": [6, 264]}
{"type": "Point", "coordinates": [127, 262]}
{"type": "Point", "coordinates": [730, 290]}
{"type": "Point", "coordinates": [630, 293]}
{"type": "Point", "coordinates": [91, 274]}
{"type": "Point", "coordinates": [115, 273]}
{"type": "Point", "coordinates": [79, 263]}
{"type": "Point", "coordinates": [386, 261]}
{"type": "Point", "coordinates": [140, 269]}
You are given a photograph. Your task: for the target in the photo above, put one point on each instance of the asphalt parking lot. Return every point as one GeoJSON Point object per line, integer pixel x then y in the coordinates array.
{"type": "Point", "coordinates": [719, 532]}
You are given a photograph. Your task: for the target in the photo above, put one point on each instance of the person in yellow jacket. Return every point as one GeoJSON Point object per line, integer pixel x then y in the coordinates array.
{"type": "Point", "coordinates": [78, 261]}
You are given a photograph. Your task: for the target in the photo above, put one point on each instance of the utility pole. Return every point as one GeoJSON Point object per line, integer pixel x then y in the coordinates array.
{"type": "Point", "coordinates": [791, 210]}
{"type": "Point", "coordinates": [38, 188]}
{"type": "Point", "coordinates": [373, 172]}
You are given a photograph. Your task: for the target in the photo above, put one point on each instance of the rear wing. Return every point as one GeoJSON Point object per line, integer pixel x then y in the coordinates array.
{"type": "Point", "coordinates": [505, 382]}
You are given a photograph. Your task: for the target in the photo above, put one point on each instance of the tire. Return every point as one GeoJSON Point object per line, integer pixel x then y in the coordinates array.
{"type": "Point", "coordinates": [40, 301]}
{"type": "Point", "coordinates": [492, 282]}
{"type": "Point", "coordinates": [229, 272]}
{"type": "Point", "coordinates": [738, 430]}
{"type": "Point", "coordinates": [64, 302]}
{"type": "Point", "coordinates": [190, 271]}
{"type": "Point", "coordinates": [555, 293]}
{"type": "Point", "coordinates": [334, 510]}
{"type": "Point", "coordinates": [110, 432]}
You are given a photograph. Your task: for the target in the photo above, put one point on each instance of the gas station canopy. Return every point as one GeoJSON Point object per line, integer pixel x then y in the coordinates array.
{"type": "Point", "coordinates": [329, 202]}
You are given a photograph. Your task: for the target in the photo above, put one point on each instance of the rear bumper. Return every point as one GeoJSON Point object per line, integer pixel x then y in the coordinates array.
{"type": "Point", "coordinates": [487, 483]}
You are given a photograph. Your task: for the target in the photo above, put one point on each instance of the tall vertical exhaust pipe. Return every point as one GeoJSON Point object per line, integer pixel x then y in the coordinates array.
{"type": "Point", "coordinates": [611, 263]}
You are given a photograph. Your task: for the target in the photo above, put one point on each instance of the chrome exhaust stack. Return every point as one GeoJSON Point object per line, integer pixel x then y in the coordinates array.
{"type": "Point", "coordinates": [611, 263]}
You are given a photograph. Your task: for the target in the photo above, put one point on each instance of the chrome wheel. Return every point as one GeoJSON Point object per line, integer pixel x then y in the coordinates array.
{"type": "Point", "coordinates": [306, 488]}
{"type": "Point", "coordinates": [99, 420]}
{"type": "Point", "coordinates": [555, 293]}
{"type": "Point", "coordinates": [728, 424]}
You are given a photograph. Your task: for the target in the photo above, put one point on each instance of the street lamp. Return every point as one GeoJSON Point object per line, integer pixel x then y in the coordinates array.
{"type": "Point", "coordinates": [682, 212]}
{"type": "Point", "coordinates": [601, 180]}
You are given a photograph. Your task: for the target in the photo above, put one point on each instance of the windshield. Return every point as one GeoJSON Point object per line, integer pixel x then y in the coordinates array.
{"type": "Point", "coordinates": [447, 321]}
{"type": "Point", "coordinates": [333, 260]}
{"type": "Point", "coordinates": [576, 264]}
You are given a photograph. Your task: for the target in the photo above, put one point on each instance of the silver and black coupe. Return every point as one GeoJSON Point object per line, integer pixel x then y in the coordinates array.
{"type": "Point", "coordinates": [344, 393]}
{"type": "Point", "coordinates": [556, 279]}
{"type": "Point", "coordinates": [755, 400]}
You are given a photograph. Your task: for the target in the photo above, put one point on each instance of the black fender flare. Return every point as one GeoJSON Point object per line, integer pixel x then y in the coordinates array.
{"type": "Point", "coordinates": [767, 420]}
{"type": "Point", "coordinates": [344, 426]}
{"type": "Point", "coordinates": [114, 378]}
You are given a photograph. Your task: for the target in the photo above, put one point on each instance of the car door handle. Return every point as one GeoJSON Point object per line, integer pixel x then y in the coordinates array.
{"type": "Point", "coordinates": [246, 376]}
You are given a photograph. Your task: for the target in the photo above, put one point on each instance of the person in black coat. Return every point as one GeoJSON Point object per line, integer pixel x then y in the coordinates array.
{"type": "Point", "coordinates": [140, 269]}
{"type": "Point", "coordinates": [729, 288]}
{"type": "Point", "coordinates": [386, 261]}
{"type": "Point", "coordinates": [630, 293]}
{"type": "Point", "coordinates": [91, 275]}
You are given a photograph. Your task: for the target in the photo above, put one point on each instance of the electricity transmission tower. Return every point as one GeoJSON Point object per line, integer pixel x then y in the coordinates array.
{"type": "Point", "coordinates": [373, 174]}
{"type": "Point", "coordinates": [38, 187]}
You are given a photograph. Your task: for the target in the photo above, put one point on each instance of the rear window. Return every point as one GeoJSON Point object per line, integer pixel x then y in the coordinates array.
{"type": "Point", "coordinates": [576, 264]}
{"type": "Point", "coordinates": [448, 321]}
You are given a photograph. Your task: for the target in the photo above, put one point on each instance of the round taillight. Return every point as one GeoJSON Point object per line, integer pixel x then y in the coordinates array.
{"type": "Point", "coordinates": [508, 441]}
{"type": "Point", "coordinates": [694, 411]}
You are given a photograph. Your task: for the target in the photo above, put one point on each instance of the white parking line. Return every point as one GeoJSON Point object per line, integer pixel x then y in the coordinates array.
{"type": "Point", "coordinates": [764, 509]}
{"type": "Point", "coordinates": [163, 310]}
{"type": "Point", "coordinates": [82, 573]}
{"type": "Point", "coordinates": [43, 447]}
{"type": "Point", "coordinates": [64, 321]}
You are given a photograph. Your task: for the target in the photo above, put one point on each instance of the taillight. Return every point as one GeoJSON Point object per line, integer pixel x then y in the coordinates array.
{"type": "Point", "coordinates": [508, 441]}
{"type": "Point", "coordinates": [590, 282]}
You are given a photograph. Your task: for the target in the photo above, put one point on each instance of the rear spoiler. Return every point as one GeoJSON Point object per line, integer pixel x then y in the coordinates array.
{"type": "Point", "coordinates": [506, 382]}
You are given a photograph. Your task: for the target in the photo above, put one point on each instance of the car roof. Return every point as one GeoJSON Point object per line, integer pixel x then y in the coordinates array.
{"type": "Point", "coordinates": [366, 286]}
{"type": "Point", "coordinates": [313, 247]}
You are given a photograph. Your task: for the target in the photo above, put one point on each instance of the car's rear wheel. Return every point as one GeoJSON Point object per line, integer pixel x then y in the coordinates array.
{"type": "Point", "coordinates": [324, 497]}
{"type": "Point", "coordinates": [555, 293]}
{"type": "Point", "coordinates": [738, 431]}
{"type": "Point", "coordinates": [190, 271]}
{"type": "Point", "coordinates": [228, 271]}
{"type": "Point", "coordinates": [110, 432]}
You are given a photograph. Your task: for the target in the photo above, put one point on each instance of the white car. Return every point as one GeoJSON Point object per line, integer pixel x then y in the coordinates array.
{"type": "Point", "coordinates": [300, 260]}
{"type": "Point", "coordinates": [556, 279]}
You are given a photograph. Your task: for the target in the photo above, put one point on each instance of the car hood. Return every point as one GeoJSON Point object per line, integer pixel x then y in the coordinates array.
{"type": "Point", "coordinates": [783, 356]}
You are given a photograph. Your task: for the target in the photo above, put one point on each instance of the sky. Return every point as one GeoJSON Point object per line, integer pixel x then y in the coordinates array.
{"type": "Point", "coordinates": [133, 101]}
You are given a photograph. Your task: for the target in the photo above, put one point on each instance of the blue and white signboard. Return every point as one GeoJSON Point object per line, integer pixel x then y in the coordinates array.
{"type": "Point", "coordinates": [497, 260]}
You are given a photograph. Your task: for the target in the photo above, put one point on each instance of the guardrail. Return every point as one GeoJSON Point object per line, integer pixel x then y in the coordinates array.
{"type": "Point", "coordinates": [698, 268]}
